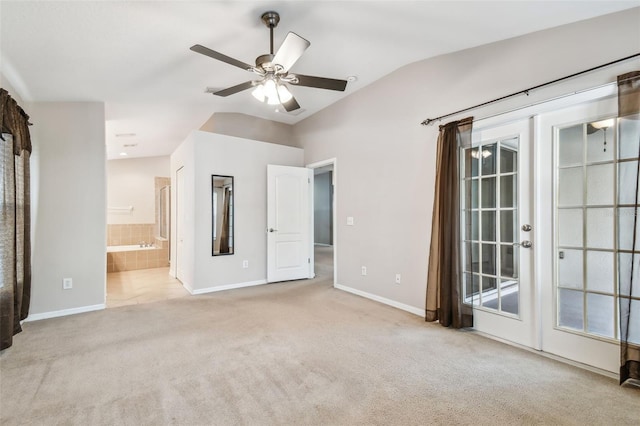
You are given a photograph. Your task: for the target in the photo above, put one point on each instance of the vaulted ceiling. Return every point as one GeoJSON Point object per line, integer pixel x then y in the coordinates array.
{"type": "Point", "coordinates": [134, 55]}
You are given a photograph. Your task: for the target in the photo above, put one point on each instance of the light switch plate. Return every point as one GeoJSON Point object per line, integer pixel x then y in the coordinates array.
{"type": "Point", "coordinates": [350, 221]}
{"type": "Point", "coordinates": [67, 283]}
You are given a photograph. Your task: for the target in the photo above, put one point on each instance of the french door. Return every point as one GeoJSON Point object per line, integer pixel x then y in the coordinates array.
{"type": "Point", "coordinates": [544, 271]}
{"type": "Point", "coordinates": [587, 181]}
{"type": "Point", "coordinates": [497, 231]}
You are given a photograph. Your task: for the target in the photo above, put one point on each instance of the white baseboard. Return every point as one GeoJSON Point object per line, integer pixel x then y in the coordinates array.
{"type": "Point", "coordinates": [410, 309]}
{"type": "Point", "coordinates": [591, 368]}
{"type": "Point", "coordinates": [224, 287]}
{"type": "Point", "coordinates": [64, 312]}
{"type": "Point", "coordinates": [187, 287]}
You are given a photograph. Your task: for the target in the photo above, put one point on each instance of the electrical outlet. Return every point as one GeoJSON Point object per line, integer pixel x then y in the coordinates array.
{"type": "Point", "coordinates": [67, 283]}
{"type": "Point", "coordinates": [398, 278]}
{"type": "Point", "coordinates": [364, 270]}
{"type": "Point", "coordinates": [245, 264]}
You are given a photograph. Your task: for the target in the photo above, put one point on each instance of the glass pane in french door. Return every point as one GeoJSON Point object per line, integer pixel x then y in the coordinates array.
{"type": "Point", "coordinates": [490, 217]}
{"type": "Point", "coordinates": [585, 242]}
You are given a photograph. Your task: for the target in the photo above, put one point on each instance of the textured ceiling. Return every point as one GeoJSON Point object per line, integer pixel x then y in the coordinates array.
{"type": "Point", "coordinates": [135, 57]}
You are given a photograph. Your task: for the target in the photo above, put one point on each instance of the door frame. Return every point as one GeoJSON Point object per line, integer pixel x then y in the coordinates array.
{"type": "Point", "coordinates": [334, 213]}
{"type": "Point", "coordinates": [178, 213]}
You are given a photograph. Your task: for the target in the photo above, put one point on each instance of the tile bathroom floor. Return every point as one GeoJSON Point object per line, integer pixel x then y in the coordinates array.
{"type": "Point", "coordinates": [142, 286]}
{"type": "Point", "coordinates": [155, 284]}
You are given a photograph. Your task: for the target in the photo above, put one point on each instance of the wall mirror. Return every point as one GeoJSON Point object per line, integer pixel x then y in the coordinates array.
{"type": "Point", "coordinates": [222, 215]}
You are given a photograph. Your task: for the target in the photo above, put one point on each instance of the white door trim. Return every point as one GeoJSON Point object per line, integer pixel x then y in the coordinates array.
{"type": "Point", "coordinates": [334, 180]}
{"type": "Point", "coordinates": [179, 195]}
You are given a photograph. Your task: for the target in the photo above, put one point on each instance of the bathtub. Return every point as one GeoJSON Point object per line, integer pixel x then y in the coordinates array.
{"type": "Point", "coordinates": [131, 257]}
{"type": "Point", "coordinates": [132, 247]}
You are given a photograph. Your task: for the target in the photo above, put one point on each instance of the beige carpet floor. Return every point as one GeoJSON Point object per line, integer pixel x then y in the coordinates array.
{"type": "Point", "coordinates": [296, 353]}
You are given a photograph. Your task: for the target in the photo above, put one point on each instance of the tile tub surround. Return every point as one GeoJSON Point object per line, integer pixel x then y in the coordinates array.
{"type": "Point", "coordinates": [134, 247]}
{"type": "Point", "coordinates": [145, 258]}
{"type": "Point", "coordinates": [124, 235]}
{"type": "Point", "coordinates": [132, 235]}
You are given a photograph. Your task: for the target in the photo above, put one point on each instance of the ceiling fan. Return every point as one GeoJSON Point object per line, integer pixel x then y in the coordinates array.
{"type": "Point", "coordinates": [273, 70]}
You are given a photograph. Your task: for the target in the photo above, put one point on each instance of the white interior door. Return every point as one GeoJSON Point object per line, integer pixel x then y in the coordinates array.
{"type": "Point", "coordinates": [497, 231]}
{"type": "Point", "coordinates": [580, 248]}
{"type": "Point", "coordinates": [179, 224]}
{"type": "Point", "coordinates": [289, 223]}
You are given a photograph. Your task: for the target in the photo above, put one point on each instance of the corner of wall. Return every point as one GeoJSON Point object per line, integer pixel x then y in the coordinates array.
{"type": "Point", "coordinates": [68, 206]}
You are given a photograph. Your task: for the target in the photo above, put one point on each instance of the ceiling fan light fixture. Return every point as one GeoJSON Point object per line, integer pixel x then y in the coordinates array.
{"type": "Point", "coordinates": [603, 124]}
{"type": "Point", "coordinates": [271, 92]}
{"type": "Point", "coordinates": [258, 93]}
{"type": "Point", "coordinates": [284, 94]}
{"type": "Point", "coordinates": [480, 154]}
{"type": "Point", "coordinates": [273, 69]}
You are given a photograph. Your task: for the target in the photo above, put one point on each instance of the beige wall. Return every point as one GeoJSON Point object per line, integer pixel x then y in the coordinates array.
{"type": "Point", "coordinates": [131, 182]}
{"type": "Point", "coordinates": [382, 151]}
{"type": "Point", "coordinates": [249, 127]}
{"type": "Point", "coordinates": [68, 206]}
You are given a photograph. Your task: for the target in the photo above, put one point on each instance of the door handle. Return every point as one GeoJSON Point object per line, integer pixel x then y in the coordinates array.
{"type": "Point", "coordinates": [272, 230]}
{"type": "Point", "coordinates": [524, 244]}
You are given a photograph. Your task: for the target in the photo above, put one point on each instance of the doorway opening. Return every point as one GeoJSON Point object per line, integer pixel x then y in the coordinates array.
{"type": "Point", "coordinates": [324, 219]}
{"type": "Point", "coordinates": [138, 232]}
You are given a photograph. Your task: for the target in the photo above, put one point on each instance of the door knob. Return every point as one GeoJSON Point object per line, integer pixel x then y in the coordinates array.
{"type": "Point", "coordinates": [272, 230]}
{"type": "Point", "coordinates": [526, 227]}
{"type": "Point", "coordinates": [524, 244]}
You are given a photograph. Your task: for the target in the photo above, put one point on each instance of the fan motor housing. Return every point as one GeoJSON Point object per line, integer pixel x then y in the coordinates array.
{"type": "Point", "coordinates": [265, 62]}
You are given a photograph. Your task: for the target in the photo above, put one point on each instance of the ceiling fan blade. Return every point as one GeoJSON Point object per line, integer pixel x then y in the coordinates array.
{"type": "Point", "coordinates": [290, 50]}
{"type": "Point", "coordinates": [291, 104]}
{"type": "Point", "coordinates": [235, 89]}
{"type": "Point", "coordinates": [321, 82]}
{"type": "Point", "coordinates": [219, 56]}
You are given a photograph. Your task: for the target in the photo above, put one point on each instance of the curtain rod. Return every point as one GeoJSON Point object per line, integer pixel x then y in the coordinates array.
{"type": "Point", "coordinates": [429, 121]}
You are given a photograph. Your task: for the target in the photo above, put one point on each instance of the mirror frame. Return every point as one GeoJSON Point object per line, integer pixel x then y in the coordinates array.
{"type": "Point", "coordinates": [213, 216]}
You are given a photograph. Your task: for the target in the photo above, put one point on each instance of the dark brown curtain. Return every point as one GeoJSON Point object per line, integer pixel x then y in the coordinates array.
{"type": "Point", "coordinates": [15, 237]}
{"type": "Point", "coordinates": [629, 110]}
{"type": "Point", "coordinates": [224, 232]}
{"type": "Point", "coordinates": [444, 282]}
